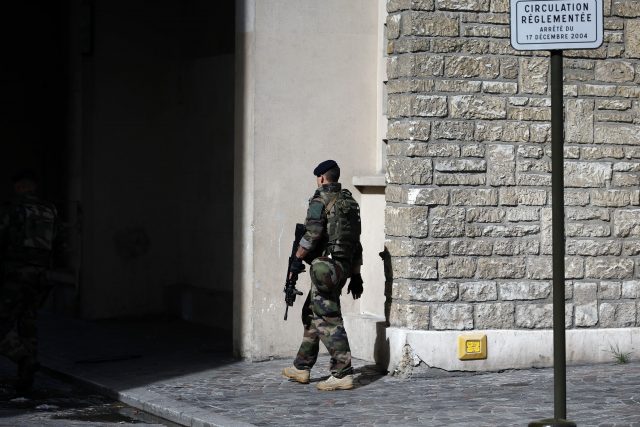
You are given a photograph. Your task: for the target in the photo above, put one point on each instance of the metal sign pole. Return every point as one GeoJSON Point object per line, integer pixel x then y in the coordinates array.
{"type": "Point", "coordinates": [552, 25]}
{"type": "Point", "coordinates": [557, 223]}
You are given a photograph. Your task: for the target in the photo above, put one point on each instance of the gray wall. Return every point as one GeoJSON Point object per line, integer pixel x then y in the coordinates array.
{"type": "Point", "coordinates": [307, 93]}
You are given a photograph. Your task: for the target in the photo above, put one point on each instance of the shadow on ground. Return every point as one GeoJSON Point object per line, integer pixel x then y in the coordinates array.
{"type": "Point", "coordinates": [133, 352]}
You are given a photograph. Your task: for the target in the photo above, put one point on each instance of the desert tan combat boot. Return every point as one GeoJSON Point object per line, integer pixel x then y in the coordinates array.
{"type": "Point", "coordinates": [333, 383]}
{"type": "Point", "coordinates": [300, 375]}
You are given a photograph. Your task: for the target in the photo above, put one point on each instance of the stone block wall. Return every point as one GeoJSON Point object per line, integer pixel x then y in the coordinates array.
{"type": "Point", "coordinates": [468, 217]}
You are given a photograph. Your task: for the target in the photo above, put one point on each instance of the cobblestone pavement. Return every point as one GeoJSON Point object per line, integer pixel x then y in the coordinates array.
{"type": "Point", "coordinates": [186, 380]}
{"type": "Point", "coordinates": [603, 395]}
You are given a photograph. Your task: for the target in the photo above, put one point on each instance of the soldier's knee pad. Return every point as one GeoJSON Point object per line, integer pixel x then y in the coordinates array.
{"type": "Point", "coordinates": [325, 275]}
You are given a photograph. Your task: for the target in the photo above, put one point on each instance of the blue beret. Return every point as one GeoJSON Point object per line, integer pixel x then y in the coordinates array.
{"type": "Point", "coordinates": [323, 167]}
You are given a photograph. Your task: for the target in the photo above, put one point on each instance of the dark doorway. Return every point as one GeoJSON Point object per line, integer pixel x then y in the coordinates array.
{"type": "Point", "coordinates": [33, 88]}
{"type": "Point", "coordinates": [125, 108]}
{"type": "Point", "coordinates": [156, 107]}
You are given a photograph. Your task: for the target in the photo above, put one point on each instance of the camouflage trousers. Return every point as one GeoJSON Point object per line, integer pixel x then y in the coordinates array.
{"type": "Point", "coordinates": [322, 319]}
{"type": "Point", "coordinates": [18, 330]}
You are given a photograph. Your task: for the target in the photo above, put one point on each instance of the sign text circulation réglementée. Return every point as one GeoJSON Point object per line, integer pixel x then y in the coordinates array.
{"type": "Point", "coordinates": [564, 13]}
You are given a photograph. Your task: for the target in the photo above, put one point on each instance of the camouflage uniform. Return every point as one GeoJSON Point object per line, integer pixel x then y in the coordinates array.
{"type": "Point", "coordinates": [331, 264]}
{"type": "Point", "coordinates": [27, 231]}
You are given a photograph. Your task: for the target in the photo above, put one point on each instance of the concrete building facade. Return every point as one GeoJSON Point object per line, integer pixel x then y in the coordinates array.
{"type": "Point", "coordinates": [179, 138]}
{"type": "Point", "coordinates": [307, 90]}
{"type": "Point", "coordinates": [467, 179]}
{"type": "Point", "coordinates": [468, 217]}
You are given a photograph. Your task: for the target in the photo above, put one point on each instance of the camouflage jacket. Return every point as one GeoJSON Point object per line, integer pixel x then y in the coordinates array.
{"type": "Point", "coordinates": [316, 238]}
{"type": "Point", "coordinates": [27, 231]}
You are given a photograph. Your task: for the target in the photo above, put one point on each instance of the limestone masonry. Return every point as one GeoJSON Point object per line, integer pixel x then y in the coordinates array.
{"type": "Point", "coordinates": [468, 217]}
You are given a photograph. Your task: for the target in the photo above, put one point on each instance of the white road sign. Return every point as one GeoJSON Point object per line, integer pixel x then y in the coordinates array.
{"type": "Point", "coordinates": [556, 24]}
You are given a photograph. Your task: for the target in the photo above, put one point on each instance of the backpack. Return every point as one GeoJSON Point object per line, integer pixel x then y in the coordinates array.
{"type": "Point", "coordinates": [343, 225]}
{"type": "Point", "coordinates": [31, 232]}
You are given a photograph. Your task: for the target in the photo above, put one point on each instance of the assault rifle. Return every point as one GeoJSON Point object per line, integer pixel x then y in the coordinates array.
{"type": "Point", "coordinates": [290, 291]}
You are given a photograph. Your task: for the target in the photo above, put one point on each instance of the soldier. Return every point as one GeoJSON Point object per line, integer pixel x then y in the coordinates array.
{"type": "Point", "coordinates": [331, 245]}
{"type": "Point", "coordinates": [27, 231]}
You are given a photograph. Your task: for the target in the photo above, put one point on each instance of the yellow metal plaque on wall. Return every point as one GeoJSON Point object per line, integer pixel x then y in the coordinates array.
{"type": "Point", "coordinates": [472, 347]}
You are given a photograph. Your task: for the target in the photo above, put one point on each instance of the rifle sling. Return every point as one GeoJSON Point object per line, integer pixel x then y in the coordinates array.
{"type": "Point", "coordinates": [329, 206]}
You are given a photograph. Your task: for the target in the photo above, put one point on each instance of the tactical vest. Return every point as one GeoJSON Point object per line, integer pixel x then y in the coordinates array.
{"type": "Point", "coordinates": [343, 224]}
{"type": "Point", "coordinates": [30, 233]}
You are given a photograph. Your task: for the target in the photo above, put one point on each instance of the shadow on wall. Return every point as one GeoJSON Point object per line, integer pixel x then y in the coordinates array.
{"type": "Point", "coordinates": [381, 345]}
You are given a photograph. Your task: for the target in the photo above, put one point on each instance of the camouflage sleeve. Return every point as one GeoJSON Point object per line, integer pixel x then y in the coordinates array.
{"type": "Point", "coordinates": [357, 255]}
{"type": "Point", "coordinates": [4, 226]}
{"type": "Point", "coordinates": [57, 223]}
{"type": "Point", "coordinates": [314, 224]}
{"type": "Point", "coordinates": [59, 230]}
{"type": "Point", "coordinates": [4, 220]}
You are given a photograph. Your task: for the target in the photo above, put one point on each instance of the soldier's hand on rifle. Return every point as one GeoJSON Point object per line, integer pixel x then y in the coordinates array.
{"type": "Point", "coordinates": [297, 266]}
{"type": "Point", "coordinates": [355, 286]}
{"type": "Point", "coordinates": [290, 295]}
